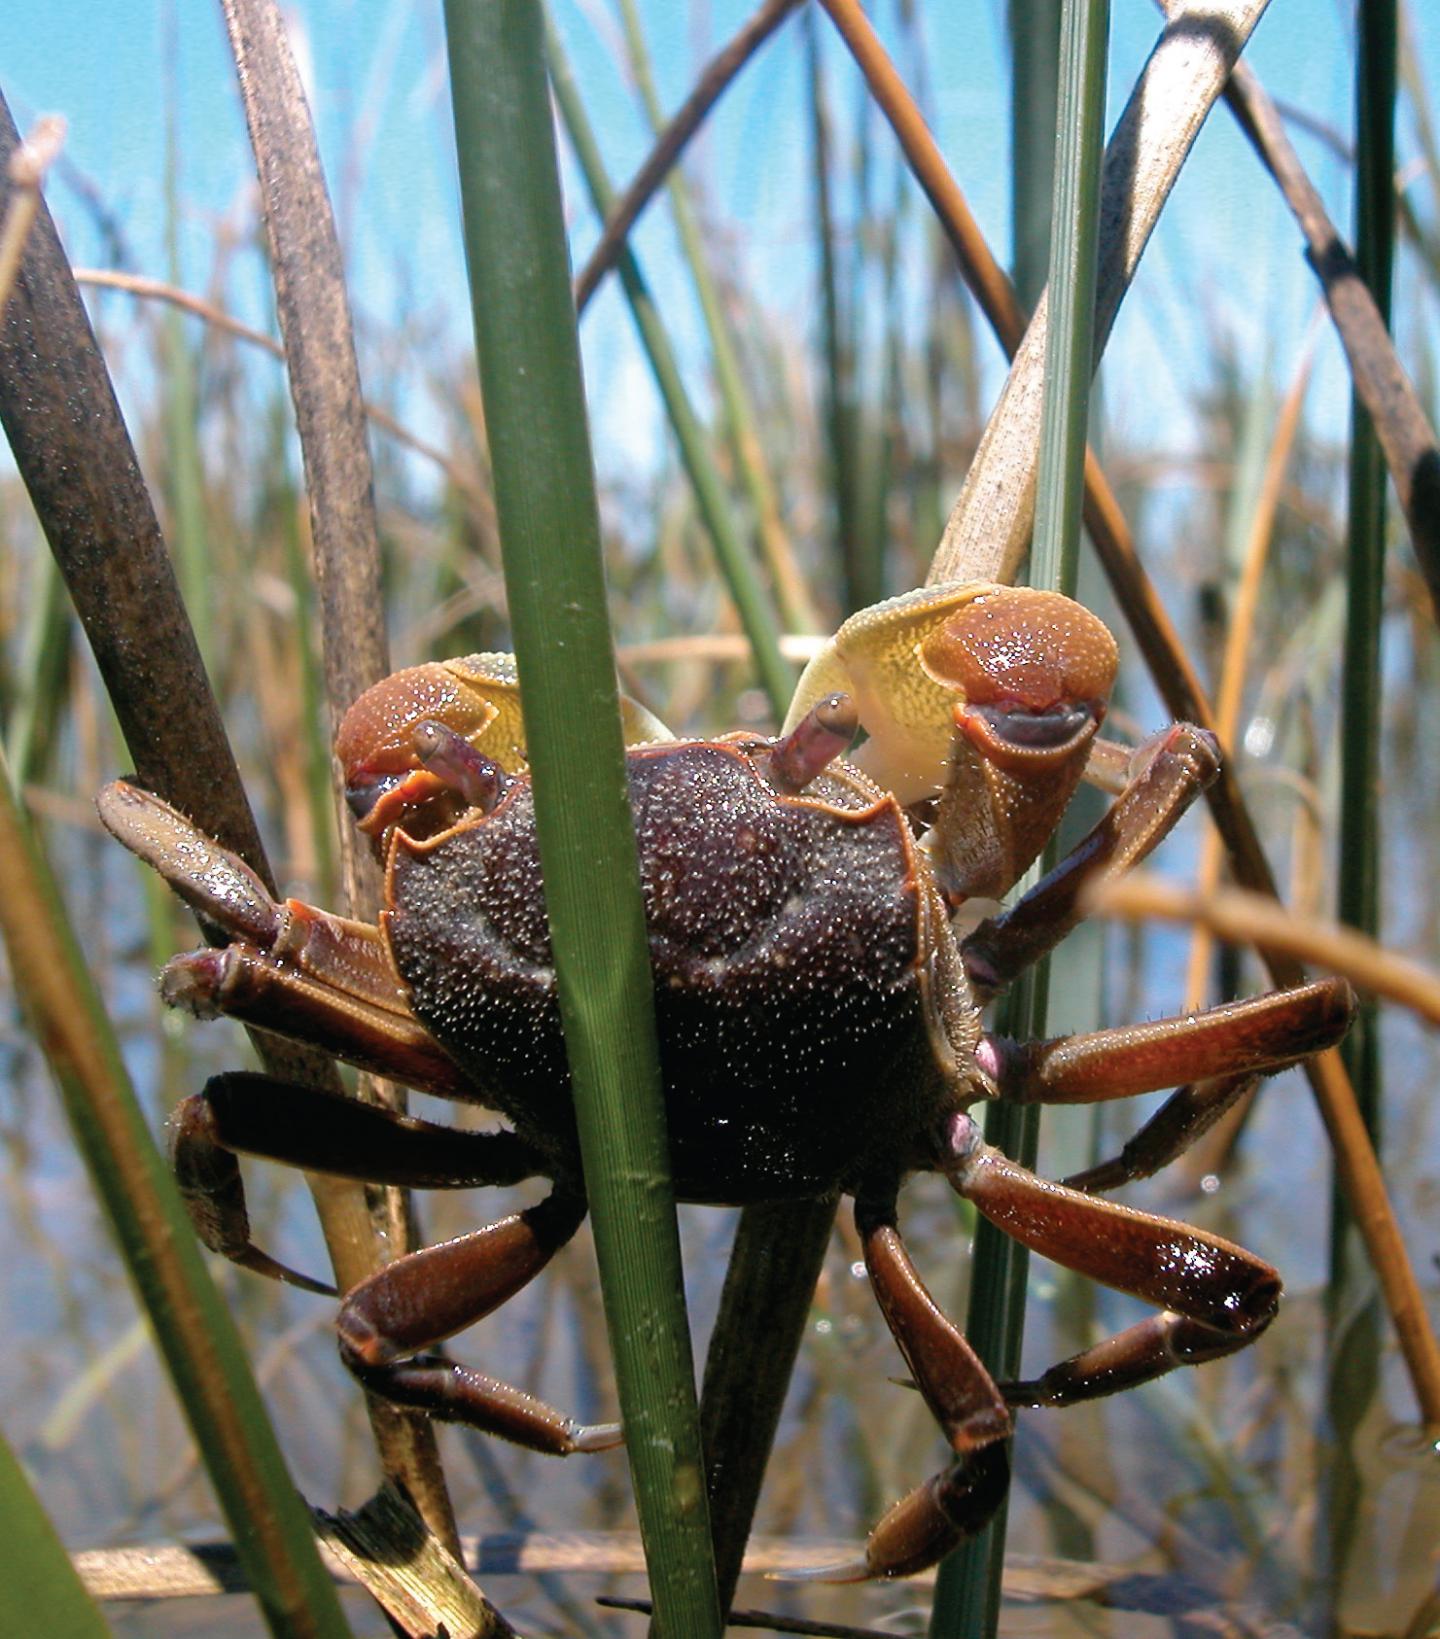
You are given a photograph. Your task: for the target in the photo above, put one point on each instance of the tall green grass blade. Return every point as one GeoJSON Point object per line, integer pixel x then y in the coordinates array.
{"type": "Point", "coordinates": [746, 588]}
{"type": "Point", "coordinates": [1358, 850]}
{"type": "Point", "coordinates": [836, 337]}
{"type": "Point", "coordinates": [968, 1595]}
{"type": "Point", "coordinates": [740, 418]}
{"type": "Point", "coordinates": [744, 1387]}
{"type": "Point", "coordinates": [40, 682]}
{"type": "Point", "coordinates": [550, 535]}
{"type": "Point", "coordinates": [1352, 1310]}
{"type": "Point", "coordinates": [39, 1589]}
{"type": "Point", "coordinates": [192, 1326]}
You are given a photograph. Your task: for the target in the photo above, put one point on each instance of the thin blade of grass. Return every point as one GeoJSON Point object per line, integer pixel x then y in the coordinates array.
{"type": "Point", "coordinates": [714, 80]}
{"type": "Point", "coordinates": [748, 1369]}
{"type": "Point", "coordinates": [731, 553]}
{"type": "Point", "coordinates": [550, 536]}
{"type": "Point", "coordinates": [991, 521]}
{"type": "Point", "coordinates": [193, 1327]}
{"type": "Point", "coordinates": [791, 594]}
{"type": "Point", "coordinates": [967, 1597]}
{"type": "Point", "coordinates": [1351, 1307]}
{"type": "Point", "coordinates": [40, 1590]}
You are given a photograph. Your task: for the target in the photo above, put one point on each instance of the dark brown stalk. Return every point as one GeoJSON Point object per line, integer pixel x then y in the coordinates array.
{"type": "Point", "coordinates": [1406, 436]}
{"type": "Point", "coordinates": [1181, 690]}
{"type": "Point", "coordinates": [672, 141]}
{"type": "Point", "coordinates": [315, 324]}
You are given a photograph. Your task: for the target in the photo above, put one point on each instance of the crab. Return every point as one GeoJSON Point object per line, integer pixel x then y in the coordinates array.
{"type": "Point", "coordinates": [819, 1015]}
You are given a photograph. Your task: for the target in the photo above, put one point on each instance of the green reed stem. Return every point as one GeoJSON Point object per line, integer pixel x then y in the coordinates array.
{"type": "Point", "coordinates": [193, 1327]}
{"type": "Point", "coordinates": [1358, 853]}
{"type": "Point", "coordinates": [40, 1591]}
{"type": "Point", "coordinates": [746, 588]}
{"type": "Point", "coordinates": [550, 537]}
{"type": "Point", "coordinates": [967, 1597]}
{"type": "Point", "coordinates": [745, 436]}
{"type": "Point", "coordinates": [1353, 1355]}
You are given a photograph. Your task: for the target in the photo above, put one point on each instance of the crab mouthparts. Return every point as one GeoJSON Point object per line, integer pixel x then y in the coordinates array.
{"type": "Point", "coordinates": [364, 792]}
{"type": "Point", "coordinates": [1017, 728]}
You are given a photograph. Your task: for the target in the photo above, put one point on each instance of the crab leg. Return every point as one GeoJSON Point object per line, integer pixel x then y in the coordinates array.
{"type": "Point", "coordinates": [1225, 1049]}
{"type": "Point", "coordinates": [1141, 1352]}
{"type": "Point", "coordinates": [957, 1502]}
{"type": "Point", "coordinates": [1260, 1034]}
{"type": "Point", "coordinates": [349, 956]}
{"type": "Point", "coordinates": [259, 988]}
{"type": "Point", "coordinates": [421, 1299]}
{"type": "Point", "coordinates": [323, 1132]}
{"type": "Point", "coordinates": [1169, 771]}
{"type": "Point", "coordinates": [1220, 1297]}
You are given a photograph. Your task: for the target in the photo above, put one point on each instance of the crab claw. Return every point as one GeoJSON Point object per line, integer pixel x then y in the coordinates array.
{"type": "Point", "coordinates": [987, 697]}
{"type": "Point", "coordinates": [394, 772]}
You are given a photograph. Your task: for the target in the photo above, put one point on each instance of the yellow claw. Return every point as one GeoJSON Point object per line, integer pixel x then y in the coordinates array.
{"type": "Point", "coordinates": [985, 696]}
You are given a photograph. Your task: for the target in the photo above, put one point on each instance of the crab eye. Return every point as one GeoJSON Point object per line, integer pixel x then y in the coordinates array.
{"type": "Point", "coordinates": [458, 765]}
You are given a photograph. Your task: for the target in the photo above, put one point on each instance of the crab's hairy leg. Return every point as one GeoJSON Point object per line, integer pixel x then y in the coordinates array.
{"type": "Point", "coordinates": [1140, 1353]}
{"type": "Point", "coordinates": [1168, 772]}
{"type": "Point", "coordinates": [1260, 1034]}
{"type": "Point", "coordinates": [957, 1502]}
{"type": "Point", "coordinates": [1185, 1116]}
{"type": "Point", "coordinates": [324, 1132]}
{"type": "Point", "coordinates": [1171, 1265]}
{"type": "Point", "coordinates": [419, 1300]}
{"type": "Point", "coordinates": [257, 988]}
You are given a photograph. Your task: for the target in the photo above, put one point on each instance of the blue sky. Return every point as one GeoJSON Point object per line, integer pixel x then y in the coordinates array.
{"type": "Point", "coordinates": [374, 68]}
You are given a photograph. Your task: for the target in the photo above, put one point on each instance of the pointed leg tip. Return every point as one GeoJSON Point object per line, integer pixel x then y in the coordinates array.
{"type": "Point", "coordinates": [597, 1437]}
{"type": "Point", "coordinates": [854, 1570]}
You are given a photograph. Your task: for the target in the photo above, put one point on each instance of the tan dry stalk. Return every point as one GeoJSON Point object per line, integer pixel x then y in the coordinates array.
{"type": "Point", "coordinates": [314, 314]}
{"type": "Point", "coordinates": [1253, 919]}
{"type": "Point", "coordinates": [27, 167]}
{"type": "Point", "coordinates": [1238, 640]}
{"type": "Point", "coordinates": [137, 284]}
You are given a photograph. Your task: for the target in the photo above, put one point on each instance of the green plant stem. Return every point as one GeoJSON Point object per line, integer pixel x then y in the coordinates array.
{"type": "Point", "coordinates": [550, 539]}
{"type": "Point", "coordinates": [193, 1328]}
{"type": "Point", "coordinates": [39, 1589]}
{"type": "Point", "coordinates": [968, 1595]}
{"type": "Point", "coordinates": [740, 419]}
{"type": "Point", "coordinates": [746, 589]}
{"type": "Point", "coordinates": [1358, 853]}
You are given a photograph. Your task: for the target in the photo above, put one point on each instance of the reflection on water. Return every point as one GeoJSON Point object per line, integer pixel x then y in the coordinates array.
{"type": "Point", "coordinates": [1199, 1500]}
